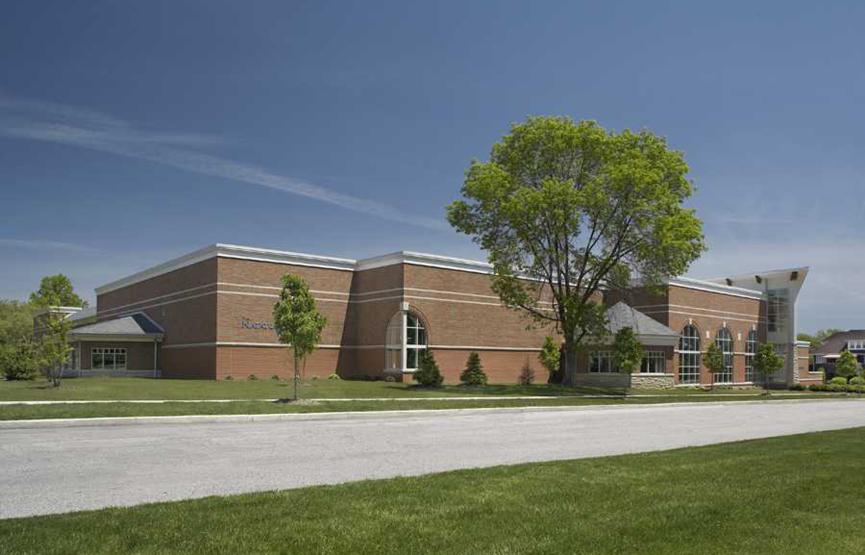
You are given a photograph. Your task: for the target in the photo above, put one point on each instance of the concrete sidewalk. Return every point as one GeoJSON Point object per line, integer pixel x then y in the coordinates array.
{"type": "Point", "coordinates": [791, 395]}
{"type": "Point", "coordinates": [58, 469]}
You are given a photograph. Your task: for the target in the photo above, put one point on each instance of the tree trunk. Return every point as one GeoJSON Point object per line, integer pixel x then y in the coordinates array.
{"type": "Point", "coordinates": [570, 356]}
{"type": "Point", "coordinates": [296, 376]}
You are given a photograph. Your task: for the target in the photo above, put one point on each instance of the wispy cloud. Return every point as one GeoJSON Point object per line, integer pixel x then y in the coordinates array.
{"type": "Point", "coordinates": [57, 123]}
{"type": "Point", "coordinates": [43, 245]}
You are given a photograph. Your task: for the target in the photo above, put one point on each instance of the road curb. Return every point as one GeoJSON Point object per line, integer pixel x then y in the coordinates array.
{"type": "Point", "coordinates": [366, 415]}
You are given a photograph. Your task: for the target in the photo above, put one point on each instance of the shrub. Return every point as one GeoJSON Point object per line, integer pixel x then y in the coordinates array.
{"type": "Point", "coordinates": [334, 376]}
{"type": "Point", "coordinates": [428, 373]}
{"type": "Point", "coordinates": [20, 360]}
{"type": "Point", "coordinates": [474, 372]}
{"type": "Point", "coordinates": [838, 380]}
{"type": "Point", "coordinates": [527, 375]}
{"type": "Point", "coordinates": [274, 378]}
{"type": "Point", "coordinates": [390, 379]}
{"type": "Point", "coordinates": [855, 389]}
{"type": "Point", "coordinates": [817, 387]}
{"type": "Point", "coordinates": [857, 380]}
{"type": "Point", "coordinates": [836, 387]}
{"type": "Point", "coordinates": [797, 387]}
{"type": "Point", "coordinates": [228, 378]}
{"type": "Point", "coordinates": [252, 377]}
{"type": "Point", "coordinates": [550, 358]}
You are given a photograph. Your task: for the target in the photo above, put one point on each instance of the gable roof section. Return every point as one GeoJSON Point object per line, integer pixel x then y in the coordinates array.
{"type": "Point", "coordinates": [836, 342]}
{"type": "Point", "coordinates": [137, 325]}
{"type": "Point", "coordinates": [648, 330]}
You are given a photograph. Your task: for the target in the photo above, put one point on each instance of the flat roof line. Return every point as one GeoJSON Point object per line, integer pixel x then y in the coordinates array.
{"type": "Point", "coordinates": [228, 250]}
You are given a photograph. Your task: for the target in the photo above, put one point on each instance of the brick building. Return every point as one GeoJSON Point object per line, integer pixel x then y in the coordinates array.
{"type": "Point", "coordinates": [208, 315]}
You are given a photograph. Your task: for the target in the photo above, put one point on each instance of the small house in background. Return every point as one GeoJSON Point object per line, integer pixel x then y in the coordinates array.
{"type": "Point", "coordinates": [826, 354]}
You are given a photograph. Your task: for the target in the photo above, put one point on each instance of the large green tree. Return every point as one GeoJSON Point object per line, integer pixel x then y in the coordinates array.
{"type": "Point", "coordinates": [56, 290]}
{"type": "Point", "coordinates": [18, 349]}
{"type": "Point", "coordinates": [566, 210]}
{"type": "Point", "coordinates": [297, 321]}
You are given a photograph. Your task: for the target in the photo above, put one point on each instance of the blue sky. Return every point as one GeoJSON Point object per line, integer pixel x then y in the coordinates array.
{"type": "Point", "coordinates": [131, 132]}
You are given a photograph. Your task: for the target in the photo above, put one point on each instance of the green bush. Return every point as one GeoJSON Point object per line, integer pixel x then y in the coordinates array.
{"type": "Point", "coordinates": [838, 380]}
{"type": "Point", "coordinates": [20, 361]}
{"type": "Point", "coordinates": [334, 376]}
{"type": "Point", "coordinates": [474, 372]}
{"type": "Point", "coordinates": [550, 358]}
{"type": "Point", "coordinates": [428, 373]}
{"type": "Point", "coordinates": [836, 387]}
{"type": "Point", "coordinates": [797, 387]}
{"type": "Point", "coordinates": [818, 387]}
{"type": "Point", "coordinates": [527, 375]}
{"type": "Point", "coordinates": [252, 377]}
{"type": "Point", "coordinates": [857, 380]}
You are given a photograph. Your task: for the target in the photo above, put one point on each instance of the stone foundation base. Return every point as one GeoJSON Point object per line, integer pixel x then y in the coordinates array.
{"type": "Point", "coordinates": [653, 382]}
{"type": "Point", "coordinates": [622, 380]}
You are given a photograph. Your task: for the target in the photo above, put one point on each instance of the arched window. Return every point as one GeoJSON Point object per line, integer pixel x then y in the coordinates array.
{"type": "Point", "coordinates": [689, 355]}
{"type": "Point", "coordinates": [750, 351]}
{"type": "Point", "coordinates": [405, 338]}
{"type": "Point", "coordinates": [725, 342]}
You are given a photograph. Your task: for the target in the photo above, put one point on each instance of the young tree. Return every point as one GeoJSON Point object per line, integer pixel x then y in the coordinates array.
{"type": "Point", "coordinates": [297, 321]}
{"type": "Point", "coordinates": [627, 351]}
{"type": "Point", "coordinates": [766, 362]}
{"type": "Point", "coordinates": [54, 348]}
{"type": "Point", "coordinates": [847, 366]}
{"type": "Point", "coordinates": [527, 375]}
{"type": "Point", "coordinates": [428, 373]}
{"type": "Point", "coordinates": [566, 210]}
{"type": "Point", "coordinates": [714, 361]}
{"type": "Point", "coordinates": [550, 358]}
{"type": "Point", "coordinates": [56, 290]}
{"type": "Point", "coordinates": [474, 372]}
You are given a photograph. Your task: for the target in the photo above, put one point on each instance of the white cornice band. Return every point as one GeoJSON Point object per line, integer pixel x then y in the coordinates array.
{"type": "Point", "coordinates": [346, 264]}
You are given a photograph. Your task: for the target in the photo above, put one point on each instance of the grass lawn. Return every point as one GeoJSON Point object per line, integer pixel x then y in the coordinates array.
{"type": "Point", "coordinates": [92, 410]}
{"type": "Point", "coordinates": [146, 388]}
{"type": "Point", "coordinates": [796, 494]}
{"type": "Point", "coordinates": [248, 395]}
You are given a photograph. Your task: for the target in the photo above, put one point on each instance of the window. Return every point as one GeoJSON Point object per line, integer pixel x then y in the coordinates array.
{"type": "Point", "coordinates": [725, 343]}
{"type": "Point", "coordinates": [750, 351]}
{"type": "Point", "coordinates": [602, 362]}
{"type": "Point", "coordinates": [776, 311]}
{"type": "Point", "coordinates": [409, 326]}
{"type": "Point", "coordinates": [856, 345]}
{"type": "Point", "coordinates": [108, 358]}
{"type": "Point", "coordinates": [653, 362]}
{"type": "Point", "coordinates": [689, 355]}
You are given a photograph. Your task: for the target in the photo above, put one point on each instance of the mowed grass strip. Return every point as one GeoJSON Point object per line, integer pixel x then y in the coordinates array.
{"type": "Point", "coordinates": [782, 495]}
{"type": "Point", "coordinates": [121, 409]}
{"type": "Point", "coordinates": [84, 389]}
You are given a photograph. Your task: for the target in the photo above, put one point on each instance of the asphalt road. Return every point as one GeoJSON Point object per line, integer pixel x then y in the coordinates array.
{"type": "Point", "coordinates": [53, 470]}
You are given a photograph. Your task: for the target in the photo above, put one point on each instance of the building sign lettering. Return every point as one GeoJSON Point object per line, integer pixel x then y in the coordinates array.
{"type": "Point", "coordinates": [246, 323]}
